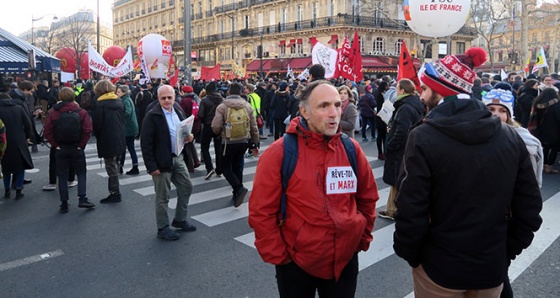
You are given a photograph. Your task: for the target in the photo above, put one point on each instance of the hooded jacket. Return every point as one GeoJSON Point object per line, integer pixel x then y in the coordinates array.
{"type": "Point", "coordinates": [322, 232]}
{"type": "Point", "coordinates": [234, 102]}
{"type": "Point", "coordinates": [468, 199]}
{"type": "Point", "coordinates": [207, 107]}
{"type": "Point", "coordinates": [535, 150]}
{"type": "Point", "coordinates": [409, 110]}
{"type": "Point", "coordinates": [279, 104]}
{"type": "Point", "coordinates": [130, 122]}
{"type": "Point", "coordinates": [548, 119]}
{"type": "Point", "coordinates": [64, 107]}
{"type": "Point", "coordinates": [108, 125]}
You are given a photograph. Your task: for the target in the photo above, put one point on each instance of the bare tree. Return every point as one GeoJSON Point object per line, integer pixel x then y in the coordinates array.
{"type": "Point", "coordinates": [487, 17]}
{"type": "Point", "coordinates": [74, 32]}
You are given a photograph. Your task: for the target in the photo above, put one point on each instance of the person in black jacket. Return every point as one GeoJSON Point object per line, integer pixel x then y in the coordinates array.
{"type": "Point", "coordinates": [206, 113]}
{"type": "Point", "coordinates": [141, 102]}
{"type": "Point", "coordinates": [409, 110]}
{"type": "Point", "coordinates": [524, 101]}
{"type": "Point", "coordinates": [279, 108]}
{"type": "Point", "coordinates": [367, 106]}
{"type": "Point", "coordinates": [108, 126]}
{"type": "Point", "coordinates": [547, 110]}
{"type": "Point", "coordinates": [380, 126]}
{"type": "Point", "coordinates": [459, 225]}
{"type": "Point", "coordinates": [165, 163]}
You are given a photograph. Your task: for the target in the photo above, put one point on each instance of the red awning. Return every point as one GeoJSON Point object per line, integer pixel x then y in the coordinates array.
{"type": "Point", "coordinates": [312, 40]}
{"type": "Point", "coordinates": [292, 43]}
{"type": "Point", "coordinates": [282, 42]}
{"type": "Point", "coordinates": [300, 41]}
{"type": "Point", "coordinates": [255, 65]}
{"type": "Point", "coordinates": [333, 40]}
{"type": "Point", "coordinates": [370, 62]}
{"type": "Point", "coordinates": [300, 63]}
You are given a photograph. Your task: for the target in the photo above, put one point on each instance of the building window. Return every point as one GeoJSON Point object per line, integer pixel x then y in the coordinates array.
{"type": "Point", "coordinates": [460, 48]}
{"type": "Point", "coordinates": [331, 8]}
{"type": "Point", "coordinates": [398, 45]}
{"type": "Point", "coordinates": [210, 5]}
{"type": "Point", "coordinates": [379, 45]}
{"type": "Point", "coordinates": [156, 21]}
{"type": "Point", "coordinates": [427, 49]}
{"type": "Point", "coordinates": [172, 17]}
{"type": "Point", "coordinates": [246, 22]}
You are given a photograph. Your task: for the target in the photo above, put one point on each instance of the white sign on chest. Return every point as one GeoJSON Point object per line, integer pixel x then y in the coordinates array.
{"type": "Point", "coordinates": [341, 180]}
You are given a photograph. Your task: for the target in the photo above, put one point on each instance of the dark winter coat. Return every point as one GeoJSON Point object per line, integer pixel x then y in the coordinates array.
{"type": "Point", "coordinates": [142, 100]}
{"type": "Point", "coordinates": [108, 125]}
{"type": "Point", "coordinates": [548, 119]}
{"type": "Point", "coordinates": [367, 105]}
{"type": "Point", "coordinates": [279, 104]}
{"type": "Point", "coordinates": [408, 112]}
{"type": "Point", "coordinates": [21, 99]}
{"type": "Point", "coordinates": [18, 129]}
{"type": "Point", "coordinates": [524, 104]}
{"type": "Point", "coordinates": [42, 92]}
{"type": "Point", "coordinates": [455, 218]}
{"type": "Point", "coordinates": [54, 114]}
{"type": "Point", "coordinates": [477, 92]}
{"type": "Point", "coordinates": [207, 107]}
{"type": "Point", "coordinates": [155, 139]}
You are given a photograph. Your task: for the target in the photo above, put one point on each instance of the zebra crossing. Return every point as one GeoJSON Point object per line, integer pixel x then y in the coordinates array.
{"type": "Point", "coordinates": [381, 247]}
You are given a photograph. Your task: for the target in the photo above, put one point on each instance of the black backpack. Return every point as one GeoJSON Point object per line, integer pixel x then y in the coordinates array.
{"type": "Point", "coordinates": [68, 128]}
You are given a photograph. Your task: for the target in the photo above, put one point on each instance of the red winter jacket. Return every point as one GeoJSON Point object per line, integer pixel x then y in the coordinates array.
{"type": "Point", "coordinates": [54, 114]}
{"type": "Point", "coordinates": [321, 232]}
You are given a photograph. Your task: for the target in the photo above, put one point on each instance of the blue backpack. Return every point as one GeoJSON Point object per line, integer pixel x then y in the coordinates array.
{"type": "Point", "coordinates": [289, 163]}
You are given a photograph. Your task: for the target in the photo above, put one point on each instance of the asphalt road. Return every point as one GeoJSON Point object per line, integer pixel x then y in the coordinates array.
{"type": "Point", "coordinates": [112, 251]}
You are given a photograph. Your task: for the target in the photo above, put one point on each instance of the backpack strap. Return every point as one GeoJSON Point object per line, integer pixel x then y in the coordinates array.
{"type": "Point", "coordinates": [289, 162]}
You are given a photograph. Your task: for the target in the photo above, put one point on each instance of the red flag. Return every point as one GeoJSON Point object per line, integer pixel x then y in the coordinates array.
{"type": "Point", "coordinates": [406, 67]}
{"type": "Point", "coordinates": [357, 53]}
{"type": "Point", "coordinates": [209, 73]}
{"type": "Point", "coordinates": [115, 80]}
{"type": "Point", "coordinates": [136, 64]}
{"type": "Point", "coordinates": [154, 65]}
{"type": "Point", "coordinates": [231, 75]}
{"type": "Point", "coordinates": [170, 67]}
{"type": "Point", "coordinates": [344, 61]}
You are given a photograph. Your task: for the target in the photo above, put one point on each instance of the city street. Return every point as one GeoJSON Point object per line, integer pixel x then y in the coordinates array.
{"type": "Point", "coordinates": [112, 251]}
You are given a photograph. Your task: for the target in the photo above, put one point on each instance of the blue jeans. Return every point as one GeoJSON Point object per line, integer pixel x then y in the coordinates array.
{"type": "Point", "coordinates": [18, 179]}
{"type": "Point", "coordinates": [365, 121]}
{"type": "Point", "coordinates": [131, 150]}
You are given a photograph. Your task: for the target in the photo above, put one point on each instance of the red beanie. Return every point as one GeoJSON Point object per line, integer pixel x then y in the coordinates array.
{"type": "Point", "coordinates": [187, 89]}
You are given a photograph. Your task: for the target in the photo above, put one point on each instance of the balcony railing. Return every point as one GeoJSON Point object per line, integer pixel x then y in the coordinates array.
{"type": "Point", "coordinates": [198, 16]}
{"type": "Point", "coordinates": [338, 20]}
{"type": "Point", "coordinates": [120, 2]}
{"type": "Point", "coordinates": [209, 13]}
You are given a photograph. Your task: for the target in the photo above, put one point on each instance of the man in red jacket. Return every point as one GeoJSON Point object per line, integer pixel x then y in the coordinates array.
{"type": "Point", "coordinates": [325, 226]}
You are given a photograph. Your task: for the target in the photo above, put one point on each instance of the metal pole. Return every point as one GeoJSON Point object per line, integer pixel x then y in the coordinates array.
{"type": "Point", "coordinates": [187, 40]}
{"type": "Point", "coordinates": [513, 39]}
{"type": "Point", "coordinates": [262, 50]}
{"type": "Point", "coordinates": [232, 36]}
{"type": "Point", "coordinates": [32, 35]}
{"type": "Point", "coordinates": [98, 36]}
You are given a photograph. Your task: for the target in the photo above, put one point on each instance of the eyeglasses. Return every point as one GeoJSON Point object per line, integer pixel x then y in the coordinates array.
{"type": "Point", "coordinates": [166, 98]}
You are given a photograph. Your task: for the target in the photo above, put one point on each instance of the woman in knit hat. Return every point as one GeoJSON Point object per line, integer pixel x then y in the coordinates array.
{"type": "Point", "coordinates": [500, 103]}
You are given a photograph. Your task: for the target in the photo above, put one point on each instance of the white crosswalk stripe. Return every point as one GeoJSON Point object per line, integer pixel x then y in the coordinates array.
{"type": "Point", "coordinates": [381, 247]}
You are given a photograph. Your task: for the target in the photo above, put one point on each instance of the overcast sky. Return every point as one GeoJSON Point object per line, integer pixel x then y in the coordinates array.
{"type": "Point", "coordinates": [16, 15]}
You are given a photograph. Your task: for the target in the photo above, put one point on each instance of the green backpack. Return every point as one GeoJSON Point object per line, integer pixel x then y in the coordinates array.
{"type": "Point", "coordinates": [237, 124]}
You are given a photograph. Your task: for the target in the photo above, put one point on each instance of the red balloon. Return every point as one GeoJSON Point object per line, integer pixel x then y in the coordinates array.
{"type": "Point", "coordinates": [67, 58]}
{"type": "Point", "coordinates": [84, 66]}
{"type": "Point", "coordinates": [113, 55]}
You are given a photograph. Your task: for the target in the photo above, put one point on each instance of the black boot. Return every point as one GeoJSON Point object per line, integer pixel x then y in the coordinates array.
{"type": "Point", "coordinates": [64, 207]}
{"type": "Point", "coordinates": [7, 194]}
{"type": "Point", "coordinates": [133, 171]}
{"type": "Point", "coordinates": [112, 198]}
{"type": "Point", "coordinates": [19, 194]}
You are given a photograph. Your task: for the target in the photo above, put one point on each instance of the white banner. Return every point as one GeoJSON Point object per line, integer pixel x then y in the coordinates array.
{"type": "Point", "coordinates": [98, 64]}
{"type": "Point", "coordinates": [325, 56]}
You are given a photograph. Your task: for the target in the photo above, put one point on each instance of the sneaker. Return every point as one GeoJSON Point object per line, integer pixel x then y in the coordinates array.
{"type": "Point", "coordinates": [133, 171]}
{"type": "Point", "coordinates": [262, 137]}
{"type": "Point", "coordinates": [72, 183]}
{"type": "Point", "coordinates": [209, 174]}
{"type": "Point", "coordinates": [19, 194]}
{"type": "Point", "coordinates": [167, 234]}
{"type": "Point", "coordinates": [386, 215]}
{"type": "Point", "coordinates": [381, 156]}
{"type": "Point", "coordinates": [49, 187]}
{"type": "Point", "coordinates": [111, 199]}
{"type": "Point", "coordinates": [248, 155]}
{"type": "Point", "coordinates": [85, 203]}
{"type": "Point", "coordinates": [239, 197]}
{"type": "Point", "coordinates": [183, 225]}
{"type": "Point", "coordinates": [364, 140]}
{"type": "Point", "coordinates": [7, 194]}
{"type": "Point", "coordinates": [63, 207]}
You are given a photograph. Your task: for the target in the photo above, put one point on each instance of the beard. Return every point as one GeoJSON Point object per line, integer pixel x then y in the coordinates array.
{"type": "Point", "coordinates": [432, 101]}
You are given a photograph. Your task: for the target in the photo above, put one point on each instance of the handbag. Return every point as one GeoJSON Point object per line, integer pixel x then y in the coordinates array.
{"type": "Point", "coordinates": [260, 120]}
{"type": "Point", "coordinates": [386, 111]}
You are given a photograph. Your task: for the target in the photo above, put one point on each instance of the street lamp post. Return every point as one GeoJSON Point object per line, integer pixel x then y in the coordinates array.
{"type": "Point", "coordinates": [187, 40]}
{"type": "Point", "coordinates": [33, 20]}
{"type": "Point", "coordinates": [232, 37]}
